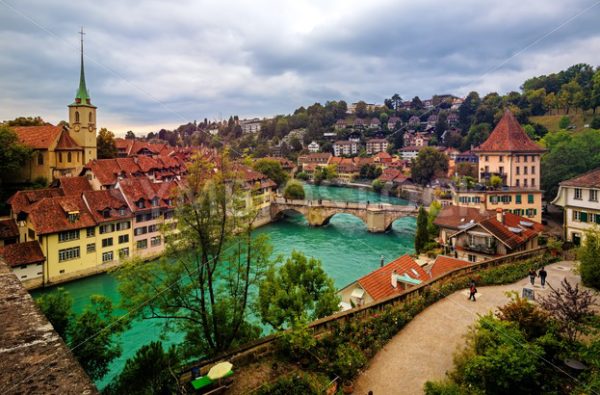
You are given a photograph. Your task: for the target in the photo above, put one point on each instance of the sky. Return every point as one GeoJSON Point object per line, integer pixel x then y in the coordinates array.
{"type": "Point", "coordinates": [153, 64]}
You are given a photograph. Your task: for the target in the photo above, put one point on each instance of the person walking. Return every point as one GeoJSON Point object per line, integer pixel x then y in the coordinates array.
{"type": "Point", "coordinates": [543, 274]}
{"type": "Point", "coordinates": [472, 291]}
{"type": "Point", "coordinates": [532, 276]}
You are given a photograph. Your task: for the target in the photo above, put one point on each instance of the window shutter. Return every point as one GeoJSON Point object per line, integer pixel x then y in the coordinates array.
{"type": "Point", "coordinates": [583, 216]}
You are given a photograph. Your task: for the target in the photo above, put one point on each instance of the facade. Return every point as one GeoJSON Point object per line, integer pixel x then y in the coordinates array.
{"type": "Point", "coordinates": [376, 145]}
{"type": "Point", "coordinates": [578, 197]}
{"type": "Point", "coordinates": [9, 232]}
{"type": "Point", "coordinates": [26, 261]}
{"type": "Point", "coordinates": [59, 151]}
{"type": "Point", "coordinates": [250, 125]}
{"type": "Point", "coordinates": [511, 155]}
{"type": "Point", "coordinates": [391, 279]}
{"type": "Point", "coordinates": [345, 148]}
{"type": "Point", "coordinates": [313, 147]}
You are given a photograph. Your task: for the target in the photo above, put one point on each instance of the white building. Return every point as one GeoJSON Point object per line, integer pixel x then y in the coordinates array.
{"type": "Point", "coordinates": [376, 145]}
{"type": "Point", "coordinates": [345, 147]}
{"type": "Point", "coordinates": [579, 199]}
{"type": "Point", "coordinates": [313, 147]}
{"type": "Point", "coordinates": [250, 125]}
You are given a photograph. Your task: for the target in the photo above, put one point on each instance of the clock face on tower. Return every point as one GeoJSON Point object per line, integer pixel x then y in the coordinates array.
{"type": "Point", "coordinates": [76, 128]}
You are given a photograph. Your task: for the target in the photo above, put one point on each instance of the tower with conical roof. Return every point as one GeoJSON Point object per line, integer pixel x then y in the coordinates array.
{"type": "Point", "coordinates": [82, 116]}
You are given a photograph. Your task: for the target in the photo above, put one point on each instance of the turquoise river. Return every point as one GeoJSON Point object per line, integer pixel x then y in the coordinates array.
{"type": "Point", "coordinates": [345, 247]}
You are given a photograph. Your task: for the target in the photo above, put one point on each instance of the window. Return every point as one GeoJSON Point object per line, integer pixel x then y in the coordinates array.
{"type": "Point", "coordinates": [518, 170]}
{"type": "Point", "coordinates": [506, 199]}
{"type": "Point", "coordinates": [487, 169]}
{"type": "Point", "coordinates": [518, 199]}
{"type": "Point", "coordinates": [91, 248]}
{"type": "Point", "coordinates": [154, 202]}
{"type": "Point", "coordinates": [472, 258]}
{"type": "Point", "coordinates": [123, 239]}
{"type": "Point", "coordinates": [91, 232]}
{"type": "Point", "coordinates": [155, 214]}
{"type": "Point", "coordinates": [518, 158]}
{"type": "Point", "coordinates": [123, 225]}
{"type": "Point", "coordinates": [142, 244]}
{"type": "Point", "coordinates": [501, 158]}
{"type": "Point", "coordinates": [140, 203]}
{"type": "Point", "coordinates": [524, 158]}
{"type": "Point", "coordinates": [532, 169]}
{"type": "Point", "coordinates": [68, 157]}
{"type": "Point", "coordinates": [152, 228]}
{"type": "Point", "coordinates": [593, 195]}
{"type": "Point", "coordinates": [530, 198]}
{"type": "Point", "coordinates": [123, 253]}
{"type": "Point", "coordinates": [76, 116]}
{"type": "Point", "coordinates": [68, 235]}
{"type": "Point", "coordinates": [107, 228]}
{"type": "Point", "coordinates": [107, 242]}
{"type": "Point", "coordinates": [490, 242]}
{"type": "Point", "coordinates": [494, 199]}
{"type": "Point", "coordinates": [31, 234]}
{"type": "Point", "coordinates": [578, 193]}
{"type": "Point", "coordinates": [169, 214]}
{"type": "Point", "coordinates": [487, 158]}
{"type": "Point", "coordinates": [106, 213]}
{"type": "Point", "coordinates": [597, 218]}
{"type": "Point", "coordinates": [73, 217]}
{"type": "Point", "coordinates": [40, 159]}
{"type": "Point", "coordinates": [525, 170]}
{"type": "Point", "coordinates": [60, 157]}
{"type": "Point", "coordinates": [90, 117]}
{"type": "Point", "coordinates": [140, 231]}
{"type": "Point", "coordinates": [531, 212]}
{"type": "Point", "coordinates": [107, 256]}
{"type": "Point", "coordinates": [525, 182]}
{"type": "Point", "coordinates": [518, 182]}
{"type": "Point", "coordinates": [122, 211]}
{"type": "Point", "coordinates": [155, 241]}
{"type": "Point", "coordinates": [533, 182]}
{"type": "Point", "coordinates": [576, 215]}
{"type": "Point", "coordinates": [68, 254]}
{"type": "Point", "coordinates": [583, 216]}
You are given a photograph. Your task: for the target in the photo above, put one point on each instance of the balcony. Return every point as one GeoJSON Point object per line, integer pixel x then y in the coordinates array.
{"type": "Point", "coordinates": [481, 248]}
{"type": "Point", "coordinates": [487, 175]}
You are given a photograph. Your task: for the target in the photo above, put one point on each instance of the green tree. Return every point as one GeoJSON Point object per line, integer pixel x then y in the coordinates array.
{"type": "Point", "coordinates": [589, 258]}
{"type": "Point", "coordinates": [152, 370]}
{"type": "Point", "coordinates": [422, 235]}
{"type": "Point", "coordinates": [57, 306]}
{"type": "Point", "coordinates": [272, 169]}
{"type": "Point", "coordinates": [130, 135]}
{"type": "Point", "coordinates": [361, 110]}
{"type": "Point", "coordinates": [105, 143]}
{"type": "Point", "coordinates": [13, 154]}
{"type": "Point", "coordinates": [595, 123]}
{"type": "Point", "coordinates": [297, 290]}
{"type": "Point", "coordinates": [570, 95]}
{"type": "Point", "coordinates": [377, 185]}
{"type": "Point", "coordinates": [211, 264]}
{"type": "Point", "coordinates": [430, 163]}
{"type": "Point", "coordinates": [294, 191]}
{"type": "Point", "coordinates": [26, 121]}
{"type": "Point", "coordinates": [495, 181]}
{"type": "Point", "coordinates": [91, 337]}
{"type": "Point", "coordinates": [564, 122]}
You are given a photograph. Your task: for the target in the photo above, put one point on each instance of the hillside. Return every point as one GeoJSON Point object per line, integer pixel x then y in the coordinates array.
{"type": "Point", "coordinates": [551, 121]}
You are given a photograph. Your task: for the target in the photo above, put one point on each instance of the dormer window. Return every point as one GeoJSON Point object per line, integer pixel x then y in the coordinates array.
{"type": "Point", "coordinates": [74, 216]}
{"type": "Point", "coordinates": [155, 202]}
{"type": "Point", "coordinates": [122, 211]}
{"type": "Point", "coordinates": [106, 213]}
{"type": "Point", "coordinates": [168, 201]}
{"type": "Point", "coordinates": [140, 203]}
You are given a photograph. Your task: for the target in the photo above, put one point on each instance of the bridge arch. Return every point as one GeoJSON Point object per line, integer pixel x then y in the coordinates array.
{"type": "Point", "coordinates": [357, 215]}
{"type": "Point", "coordinates": [391, 218]}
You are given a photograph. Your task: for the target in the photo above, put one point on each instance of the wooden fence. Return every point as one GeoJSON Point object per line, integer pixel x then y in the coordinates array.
{"type": "Point", "coordinates": [257, 349]}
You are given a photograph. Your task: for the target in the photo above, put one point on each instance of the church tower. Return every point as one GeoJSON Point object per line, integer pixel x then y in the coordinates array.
{"type": "Point", "coordinates": [82, 117]}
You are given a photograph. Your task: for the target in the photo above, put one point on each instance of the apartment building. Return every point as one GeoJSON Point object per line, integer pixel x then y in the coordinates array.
{"type": "Point", "coordinates": [376, 145]}
{"type": "Point", "coordinates": [345, 148]}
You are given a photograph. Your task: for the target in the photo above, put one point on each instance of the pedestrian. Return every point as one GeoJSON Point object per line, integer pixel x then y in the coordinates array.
{"type": "Point", "coordinates": [382, 261]}
{"type": "Point", "coordinates": [472, 291]}
{"type": "Point", "coordinates": [543, 274]}
{"type": "Point", "coordinates": [532, 276]}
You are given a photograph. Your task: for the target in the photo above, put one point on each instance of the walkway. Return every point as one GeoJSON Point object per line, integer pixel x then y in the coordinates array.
{"type": "Point", "coordinates": [424, 349]}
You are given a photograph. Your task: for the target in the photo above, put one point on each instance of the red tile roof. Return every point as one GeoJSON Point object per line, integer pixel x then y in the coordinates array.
{"type": "Point", "coordinates": [136, 189]}
{"type": "Point", "coordinates": [444, 264]}
{"type": "Point", "coordinates": [66, 142]}
{"type": "Point", "coordinates": [74, 185]}
{"type": "Point", "coordinates": [8, 229]}
{"type": "Point", "coordinates": [22, 201]}
{"type": "Point", "coordinates": [111, 199]}
{"type": "Point", "coordinates": [378, 283]}
{"type": "Point", "coordinates": [50, 215]}
{"type": "Point", "coordinates": [454, 216]}
{"type": "Point", "coordinates": [591, 179]}
{"type": "Point", "coordinates": [508, 136]}
{"type": "Point", "coordinates": [22, 253]}
{"type": "Point", "coordinates": [38, 137]}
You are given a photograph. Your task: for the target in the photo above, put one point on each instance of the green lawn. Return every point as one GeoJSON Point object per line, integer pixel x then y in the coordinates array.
{"type": "Point", "coordinates": [550, 121]}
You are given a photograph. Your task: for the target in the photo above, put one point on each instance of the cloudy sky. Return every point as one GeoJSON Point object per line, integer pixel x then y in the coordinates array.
{"type": "Point", "coordinates": [152, 64]}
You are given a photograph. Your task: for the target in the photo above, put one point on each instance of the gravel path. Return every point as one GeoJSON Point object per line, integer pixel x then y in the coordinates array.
{"type": "Point", "coordinates": [424, 349]}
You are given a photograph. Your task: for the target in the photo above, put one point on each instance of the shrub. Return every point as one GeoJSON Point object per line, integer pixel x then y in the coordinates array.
{"type": "Point", "coordinates": [442, 388]}
{"type": "Point", "coordinates": [564, 122]}
{"type": "Point", "coordinates": [377, 185]}
{"type": "Point", "coordinates": [302, 176]}
{"type": "Point", "coordinates": [348, 360]}
{"type": "Point", "coordinates": [595, 124]}
{"type": "Point", "coordinates": [589, 256]}
{"type": "Point", "coordinates": [296, 384]}
{"type": "Point", "coordinates": [532, 320]}
{"type": "Point", "coordinates": [294, 190]}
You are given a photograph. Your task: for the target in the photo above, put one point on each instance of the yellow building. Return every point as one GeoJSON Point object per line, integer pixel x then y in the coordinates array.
{"type": "Point", "coordinates": [60, 151]}
{"type": "Point", "coordinates": [510, 155]}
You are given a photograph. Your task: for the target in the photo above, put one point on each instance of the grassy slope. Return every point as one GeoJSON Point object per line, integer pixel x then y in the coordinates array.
{"type": "Point", "coordinates": [550, 121]}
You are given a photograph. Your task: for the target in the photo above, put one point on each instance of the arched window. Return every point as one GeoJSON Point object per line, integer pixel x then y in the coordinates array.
{"type": "Point", "coordinates": [77, 116]}
{"type": "Point", "coordinates": [68, 157]}
{"type": "Point", "coordinates": [90, 117]}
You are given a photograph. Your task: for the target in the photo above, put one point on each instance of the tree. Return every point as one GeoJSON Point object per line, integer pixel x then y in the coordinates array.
{"type": "Point", "coordinates": [570, 307]}
{"type": "Point", "coordinates": [105, 143]}
{"type": "Point", "coordinates": [589, 258]}
{"type": "Point", "coordinates": [595, 123]}
{"type": "Point", "coordinates": [57, 306]}
{"type": "Point", "coordinates": [422, 235]}
{"type": "Point", "coordinates": [361, 110]}
{"type": "Point", "coordinates": [130, 135]}
{"type": "Point", "coordinates": [26, 121]}
{"type": "Point", "coordinates": [295, 144]}
{"type": "Point", "coordinates": [152, 370]}
{"type": "Point", "coordinates": [377, 185]}
{"type": "Point", "coordinates": [294, 191]}
{"type": "Point", "coordinates": [569, 95]}
{"type": "Point", "coordinates": [430, 163]}
{"type": "Point", "coordinates": [297, 290]}
{"type": "Point", "coordinates": [210, 266]}
{"type": "Point", "coordinates": [416, 104]}
{"type": "Point", "coordinates": [495, 181]}
{"type": "Point", "coordinates": [272, 169]}
{"type": "Point", "coordinates": [441, 124]}
{"type": "Point", "coordinates": [564, 122]}
{"type": "Point", "coordinates": [13, 154]}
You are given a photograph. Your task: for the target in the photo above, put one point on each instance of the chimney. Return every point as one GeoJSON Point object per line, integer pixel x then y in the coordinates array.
{"type": "Point", "coordinates": [394, 280]}
{"type": "Point", "coordinates": [500, 215]}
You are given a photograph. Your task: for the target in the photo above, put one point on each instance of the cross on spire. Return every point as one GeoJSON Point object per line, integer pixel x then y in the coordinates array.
{"type": "Point", "coordinates": [82, 97]}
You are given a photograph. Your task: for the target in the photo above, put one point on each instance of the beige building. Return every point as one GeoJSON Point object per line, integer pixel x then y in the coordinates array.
{"type": "Point", "coordinates": [60, 151]}
{"type": "Point", "coordinates": [510, 155]}
{"type": "Point", "coordinates": [579, 199]}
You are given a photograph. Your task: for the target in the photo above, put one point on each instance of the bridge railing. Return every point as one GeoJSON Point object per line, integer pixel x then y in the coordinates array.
{"type": "Point", "coordinates": [266, 345]}
{"type": "Point", "coordinates": [343, 204]}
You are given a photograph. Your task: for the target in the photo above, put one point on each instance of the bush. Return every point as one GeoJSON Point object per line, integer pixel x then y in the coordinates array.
{"type": "Point", "coordinates": [442, 388]}
{"type": "Point", "coordinates": [377, 185]}
{"type": "Point", "coordinates": [348, 360]}
{"type": "Point", "coordinates": [302, 176]}
{"type": "Point", "coordinates": [564, 122]}
{"type": "Point", "coordinates": [595, 124]}
{"type": "Point", "coordinates": [294, 190]}
{"type": "Point", "coordinates": [296, 384]}
{"type": "Point", "coordinates": [589, 256]}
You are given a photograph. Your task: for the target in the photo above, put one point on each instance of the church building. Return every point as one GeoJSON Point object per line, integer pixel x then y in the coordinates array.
{"type": "Point", "coordinates": [61, 151]}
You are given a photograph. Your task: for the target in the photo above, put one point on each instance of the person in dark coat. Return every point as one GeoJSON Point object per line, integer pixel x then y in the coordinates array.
{"type": "Point", "coordinates": [472, 291]}
{"type": "Point", "coordinates": [543, 274]}
{"type": "Point", "coordinates": [532, 276]}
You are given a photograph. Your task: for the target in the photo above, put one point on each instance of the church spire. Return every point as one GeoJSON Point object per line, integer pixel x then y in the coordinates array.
{"type": "Point", "coordinates": [82, 97]}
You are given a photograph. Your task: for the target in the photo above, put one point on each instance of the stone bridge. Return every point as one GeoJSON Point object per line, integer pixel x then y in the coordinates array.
{"type": "Point", "coordinates": [377, 216]}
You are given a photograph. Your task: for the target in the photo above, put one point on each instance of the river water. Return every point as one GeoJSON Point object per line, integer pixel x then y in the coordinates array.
{"type": "Point", "coordinates": [345, 247]}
